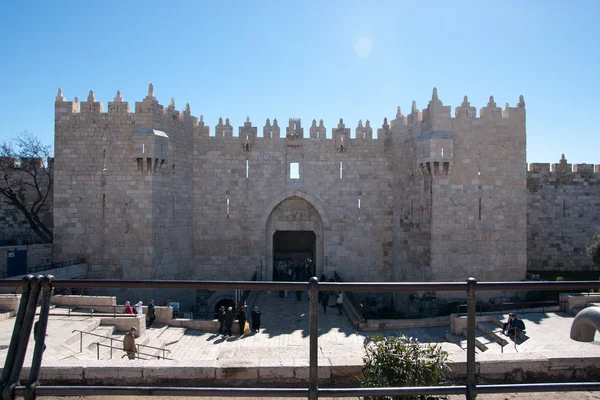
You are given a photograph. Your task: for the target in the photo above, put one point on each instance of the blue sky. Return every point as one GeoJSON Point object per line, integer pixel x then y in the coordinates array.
{"type": "Point", "coordinates": [300, 59]}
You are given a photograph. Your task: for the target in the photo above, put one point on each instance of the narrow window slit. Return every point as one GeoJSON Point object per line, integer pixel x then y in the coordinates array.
{"type": "Point", "coordinates": [104, 159]}
{"type": "Point", "coordinates": [341, 170]}
{"type": "Point", "coordinates": [143, 148]}
{"type": "Point", "coordinates": [480, 208]}
{"type": "Point", "coordinates": [103, 205]}
{"type": "Point", "coordinates": [247, 166]}
{"type": "Point", "coordinates": [149, 164]}
{"type": "Point", "coordinates": [294, 170]}
{"type": "Point", "coordinates": [564, 207]}
{"type": "Point", "coordinates": [140, 164]}
{"type": "Point", "coordinates": [227, 208]}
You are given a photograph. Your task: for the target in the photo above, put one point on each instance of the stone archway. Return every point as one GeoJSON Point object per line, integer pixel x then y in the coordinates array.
{"type": "Point", "coordinates": [294, 216]}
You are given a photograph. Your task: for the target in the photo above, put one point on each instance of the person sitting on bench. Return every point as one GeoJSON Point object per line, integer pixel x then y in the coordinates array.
{"type": "Point", "coordinates": [513, 325]}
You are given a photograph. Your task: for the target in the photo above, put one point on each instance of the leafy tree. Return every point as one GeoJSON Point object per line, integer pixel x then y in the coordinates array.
{"type": "Point", "coordinates": [401, 361]}
{"type": "Point", "coordinates": [26, 179]}
{"type": "Point", "coordinates": [593, 249]}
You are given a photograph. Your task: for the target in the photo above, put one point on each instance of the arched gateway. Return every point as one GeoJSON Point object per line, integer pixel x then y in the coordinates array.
{"type": "Point", "coordinates": [294, 235]}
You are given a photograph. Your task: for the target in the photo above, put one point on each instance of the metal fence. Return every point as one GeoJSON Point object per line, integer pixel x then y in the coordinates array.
{"type": "Point", "coordinates": [45, 267]}
{"type": "Point", "coordinates": [32, 286]}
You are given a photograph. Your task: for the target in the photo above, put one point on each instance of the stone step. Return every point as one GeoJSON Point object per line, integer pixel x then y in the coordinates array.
{"type": "Point", "coordinates": [172, 335]}
{"type": "Point", "coordinates": [6, 315]}
{"type": "Point", "coordinates": [493, 331]}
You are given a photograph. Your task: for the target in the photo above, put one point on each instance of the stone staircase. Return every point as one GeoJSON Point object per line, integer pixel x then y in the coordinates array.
{"type": "Point", "coordinates": [488, 338]}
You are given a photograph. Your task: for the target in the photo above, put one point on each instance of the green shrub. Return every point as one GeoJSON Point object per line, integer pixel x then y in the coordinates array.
{"type": "Point", "coordinates": [401, 361]}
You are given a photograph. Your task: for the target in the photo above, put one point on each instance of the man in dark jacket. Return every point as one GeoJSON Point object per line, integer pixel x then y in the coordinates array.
{"type": "Point", "coordinates": [221, 318]}
{"type": "Point", "coordinates": [228, 321]}
{"type": "Point", "coordinates": [513, 325]}
{"type": "Point", "coordinates": [151, 314]}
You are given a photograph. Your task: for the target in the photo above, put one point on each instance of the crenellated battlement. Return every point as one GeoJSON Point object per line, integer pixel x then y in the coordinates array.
{"type": "Point", "coordinates": [436, 116]}
{"type": "Point", "coordinates": [563, 167]}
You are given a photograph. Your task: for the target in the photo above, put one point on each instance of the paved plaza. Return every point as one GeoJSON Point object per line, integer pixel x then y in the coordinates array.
{"type": "Point", "coordinates": [281, 349]}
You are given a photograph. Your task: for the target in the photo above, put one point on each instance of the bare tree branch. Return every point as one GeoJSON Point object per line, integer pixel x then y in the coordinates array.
{"type": "Point", "coordinates": [25, 163]}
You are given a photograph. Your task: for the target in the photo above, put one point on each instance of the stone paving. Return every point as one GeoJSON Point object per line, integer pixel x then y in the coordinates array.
{"type": "Point", "coordinates": [284, 342]}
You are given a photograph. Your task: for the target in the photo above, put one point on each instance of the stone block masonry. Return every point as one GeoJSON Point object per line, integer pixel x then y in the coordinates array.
{"type": "Point", "coordinates": [563, 213]}
{"type": "Point", "coordinates": [155, 194]}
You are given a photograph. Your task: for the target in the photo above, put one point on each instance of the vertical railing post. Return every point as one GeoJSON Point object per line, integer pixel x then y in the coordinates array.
{"type": "Point", "coordinates": [98, 350]}
{"type": "Point", "coordinates": [314, 339]}
{"type": "Point", "coordinates": [471, 324]}
{"type": "Point", "coordinates": [111, 347]}
{"type": "Point", "coordinates": [15, 373]}
{"type": "Point", "coordinates": [12, 348]}
{"type": "Point", "coordinates": [80, 342]}
{"type": "Point", "coordinates": [40, 338]}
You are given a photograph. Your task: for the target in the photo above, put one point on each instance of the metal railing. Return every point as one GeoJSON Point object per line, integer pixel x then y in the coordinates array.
{"type": "Point", "coordinates": [45, 267]}
{"type": "Point", "coordinates": [31, 285]}
{"type": "Point", "coordinates": [98, 344]}
{"type": "Point", "coordinates": [512, 306]}
{"type": "Point", "coordinates": [92, 310]}
{"type": "Point", "coordinates": [81, 333]}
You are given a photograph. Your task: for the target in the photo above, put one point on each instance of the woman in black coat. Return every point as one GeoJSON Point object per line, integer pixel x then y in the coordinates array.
{"type": "Point", "coordinates": [255, 319]}
{"type": "Point", "coordinates": [228, 321]}
{"type": "Point", "coordinates": [242, 319]}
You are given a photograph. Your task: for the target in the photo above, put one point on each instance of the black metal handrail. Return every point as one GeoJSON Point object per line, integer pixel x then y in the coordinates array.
{"type": "Point", "coordinates": [352, 299]}
{"type": "Point", "coordinates": [470, 389]}
{"type": "Point", "coordinates": [46, 267]}
{"type": "Point", "coordinates": [98, 344]}
{"type": "Point", "coordinates": [93, 311]}
{"type": "Point", "coordinates": [516, 305]}
{"type": "Point", "coordinates": [81, 333]}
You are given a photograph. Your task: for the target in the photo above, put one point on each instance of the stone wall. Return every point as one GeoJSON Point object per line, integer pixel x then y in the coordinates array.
{"type": "Point", "coordinates": [129, 213]}
{"type": "Point", "coordinates": [563, 213]}
{"type": "Point", "coordinates": [155, 194]}
{"type": "Point", "coordinates": [236, 215]}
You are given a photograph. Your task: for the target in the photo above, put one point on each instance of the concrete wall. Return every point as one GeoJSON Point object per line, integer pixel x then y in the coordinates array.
{"type": "Point", "coordinates": [9, 302]}
{"type": "Point", "coordinates": [572, 303]}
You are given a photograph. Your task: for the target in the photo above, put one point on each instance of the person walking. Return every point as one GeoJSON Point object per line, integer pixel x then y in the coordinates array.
{"type": "Point", "coordinates": [340, 303]}
{"type": "Point", "coordinates": [241, 319]}
{"type": "Point", "coordinates": [325, 301]}
{"type": "Point", "coordinates": [255, 316]}
{"type": "Point", "coordinates": [129, 343]}
{"type": "Point", "coordinates": [151, 314]}
{"type": "Point", "coordinates": [35, 333]}
{"type": "Point", "coordinates": [221, 318]}
{"type": "Point", "coordinates": [228, 321]}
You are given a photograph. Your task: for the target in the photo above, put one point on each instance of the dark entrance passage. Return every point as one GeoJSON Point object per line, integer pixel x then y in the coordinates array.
{"type": "Point", "coordinates": [294, 255]}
